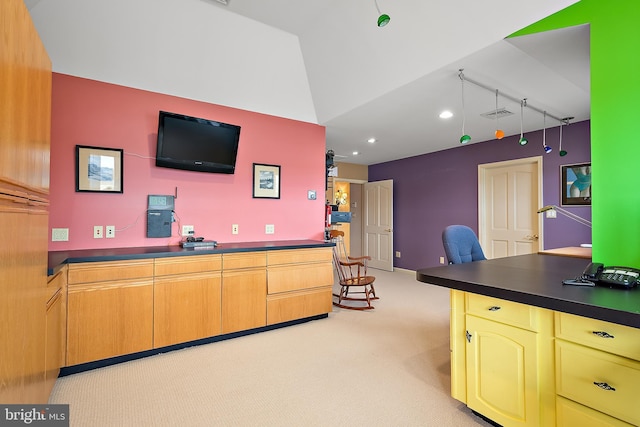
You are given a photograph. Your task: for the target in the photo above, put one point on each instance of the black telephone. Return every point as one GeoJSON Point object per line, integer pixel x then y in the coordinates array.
{"type": "Point", "coordinates": [625, 277]}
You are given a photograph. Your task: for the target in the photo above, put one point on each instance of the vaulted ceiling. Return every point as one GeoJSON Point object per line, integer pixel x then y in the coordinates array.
{"type": "Point", "coordinates": [357, 80]}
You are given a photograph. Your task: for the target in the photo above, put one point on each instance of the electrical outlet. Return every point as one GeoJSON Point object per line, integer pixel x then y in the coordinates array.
{"type": "Point", "coordinates": [397, 254]}
{"type": "Point", "coordinates": [98, 232]}
{"type": "Point", "coordinates": [269, 229]}
{"type": "Point", "coordinates": [59, 234]}
{"type": "Point", "coordinates": [441, 260]}
{"type": "Point", "coordinates": [110, 231]}
{"type": "Point", "coordinates": [234, 229]}
{"type": "Point", "coordinates": [187, 230]}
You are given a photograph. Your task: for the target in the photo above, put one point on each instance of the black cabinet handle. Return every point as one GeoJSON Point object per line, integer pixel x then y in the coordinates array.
{"type": "Point", "coordinates": [604, 386]}
{"type": "Point", "coordinates": [494, 308]}
{"type": "Point", "coordinates": [602, 334]}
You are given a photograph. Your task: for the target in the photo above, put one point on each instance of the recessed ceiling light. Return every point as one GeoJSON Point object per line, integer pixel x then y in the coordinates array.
{"type": "Point", "coordinates": [355, 153]}
{"type": "Point", "coordinates": [446, 114]}
{"type": "Point", "coordinates": [371, 140]}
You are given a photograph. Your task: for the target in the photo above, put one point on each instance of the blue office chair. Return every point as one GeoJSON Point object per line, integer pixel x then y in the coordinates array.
{"type": "Point", "coordinates": [461, 245]}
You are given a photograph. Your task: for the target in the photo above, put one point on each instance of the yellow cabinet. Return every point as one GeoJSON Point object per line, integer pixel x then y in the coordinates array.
{"type": "Point", "coordinates": [502, 359]}
{"type": "Point", "coordinates": [108, 318]}
{"type": "Point", "coordinates": [244, 291]}
{"type": "Point", "coordinates": [572, 414]}
{"type": "Point", "coordinates": [186, 299]}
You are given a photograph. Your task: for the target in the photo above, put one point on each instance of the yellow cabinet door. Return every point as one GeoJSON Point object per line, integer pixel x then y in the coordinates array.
{"type": "Point", "coordinates": [244, 299]}
{"type": "Point", "coordinates": [186, 308]}
{"type": "Point", "coordinates": [107, 319]}
{"type": "Point", "coordinates": [501, 372]}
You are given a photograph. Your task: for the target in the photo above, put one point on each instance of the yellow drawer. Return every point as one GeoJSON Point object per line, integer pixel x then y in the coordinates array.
{"type": "Point", "coordinates": [298, 256]}
{"type": "Point", "coordinates": [109, 271]}
{"type": "Point", "coordinates": [295, 277]}
{"type": "Point", "coordinates": [298, 305]}
{"type": "Point", "coordinates": [244, 260]}
{"type": "Point", "coordinates": [572, 414]}
{"type": "Point", "coordinates": [187, 264]}
{"type": "Point", "coordinates": [499, 310]}
{"type": "Point", "coordinates": [600, 380]}
{"type": "Point", "coordinates": [616, 339]}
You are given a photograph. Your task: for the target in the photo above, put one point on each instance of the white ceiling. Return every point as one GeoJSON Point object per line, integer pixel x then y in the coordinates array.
{"type": "Point", "coordinates": [391, 83]}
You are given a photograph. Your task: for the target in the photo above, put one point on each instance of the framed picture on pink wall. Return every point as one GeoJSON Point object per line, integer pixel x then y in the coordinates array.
{"type": "Point", "coordinates": [266, 181]}
{"type": "Point", "coordinates": [575, 182]}
{"type": "Point", "coordinates": [98, 170]}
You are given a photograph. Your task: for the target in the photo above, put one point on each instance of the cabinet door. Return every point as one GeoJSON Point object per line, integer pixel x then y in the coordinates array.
{"type": "Point", "coordinates": [107, 319]}
{"type": "Point", "coordinates": [502, 372]}
{"type": "Point", "coordinates": [54, 341]}
{"type": "Point", "coordinates": [244, 299]}
{"type": "Point", "coordinates": [186, 308]}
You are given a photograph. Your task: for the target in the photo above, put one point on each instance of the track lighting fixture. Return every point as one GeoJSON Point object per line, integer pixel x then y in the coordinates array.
{"type": "Point", "coordinates": [464, 138]}
{"type": "Point", "coordinates": [499, 132]}
{"type": "Point", "coordinates": [563, 122]}
{"type": "Point", "coordinates": [383, 19]}
{"type": "Point", "coordinates": [546, 148]}
{"type": "Point", "coordinates": [522, 140]}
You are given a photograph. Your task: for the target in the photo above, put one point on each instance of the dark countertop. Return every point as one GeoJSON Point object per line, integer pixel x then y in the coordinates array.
{"type": "Point", "coordinates": [536, 280]}
{"type": "Point", "coordinates": [59, 258]}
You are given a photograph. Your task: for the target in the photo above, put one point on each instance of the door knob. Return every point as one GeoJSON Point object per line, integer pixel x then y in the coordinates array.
{"type": "Point", "coordinates": [388, 230]}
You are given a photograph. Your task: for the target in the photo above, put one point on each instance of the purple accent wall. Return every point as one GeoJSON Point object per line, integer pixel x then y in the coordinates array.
{"type": "Point", "coordinates": [434, 190]}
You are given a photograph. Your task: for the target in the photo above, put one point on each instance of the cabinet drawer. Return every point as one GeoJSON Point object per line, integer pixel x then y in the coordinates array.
{"type": "Point", "coordinates": [56, 283]}
{"type": "Point", "coordinates": [298, 305]}
{"type": "Point", "coordinates": [499, 310]}
{"type": "Point", "coordinates": [617, 339]}
{"type": "Point", "coordinates": [572, 414]}
{"type": "Point", "coordinates": [299, 256]}
{"type": "Point", "coordinates": [111, 270]}
{"type": "Point", "coordinates": [187, 264]}
{"type": "Point", "coordinates": [580, 369]}
{"type": "Point", "coordinates": [244, 260]}
{"type": "Point", "coordinates": [295, 277]}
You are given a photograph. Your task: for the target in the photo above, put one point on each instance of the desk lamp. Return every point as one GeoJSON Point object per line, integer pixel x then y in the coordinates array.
{"type": "Point", "coordinates": [566, 213]}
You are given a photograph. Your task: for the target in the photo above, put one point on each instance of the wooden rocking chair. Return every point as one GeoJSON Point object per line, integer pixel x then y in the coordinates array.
{"type": "Point", "coordinates": [352, 276]}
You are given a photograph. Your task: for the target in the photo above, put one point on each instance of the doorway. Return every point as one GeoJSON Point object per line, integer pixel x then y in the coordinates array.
{"type": "Point", "coordinates": [509, 195]}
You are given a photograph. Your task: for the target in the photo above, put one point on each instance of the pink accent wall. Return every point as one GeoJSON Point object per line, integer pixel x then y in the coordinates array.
{"type": "Point", "coordinates": [88, 112]}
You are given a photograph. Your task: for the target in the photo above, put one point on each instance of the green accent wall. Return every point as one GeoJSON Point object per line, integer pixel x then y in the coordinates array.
{"type": "Point", "coordinates": [615, 122]}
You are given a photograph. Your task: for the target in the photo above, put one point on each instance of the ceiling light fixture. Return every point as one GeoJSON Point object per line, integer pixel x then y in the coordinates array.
{"type": "Point", "coordinates": [499, 132]}
{"type": "Point", "coordinates": [563, 122]}
{"type": "Point", "coordinates": [371, 140]}
{"type": "Point", "coordinates": [446, 114]}
{"type": "Point", "coordinates": [522, 140]}
{"type": "Point", "coordinates": [546, 148]}
{"type": "Point", "coordinates": [464, 138]}
{"type": "Point", "coordinates": [383, 19]}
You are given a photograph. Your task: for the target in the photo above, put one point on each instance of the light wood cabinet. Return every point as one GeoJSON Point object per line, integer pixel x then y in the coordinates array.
{"type": "Point", "coordinates": [598, 369]}
{"type": "Point", "coordinates": [186, 299]}
{"type": "Point", "coordinates": [244, 291]}
{"type": "Point", "coordinates": [108, 318]}
{"type": "Point", "coordinates": [502, 359]}
{"type": "Point", "coordinates": [55, 337]}
{"type": "Point", "coordinates": [299, 284]}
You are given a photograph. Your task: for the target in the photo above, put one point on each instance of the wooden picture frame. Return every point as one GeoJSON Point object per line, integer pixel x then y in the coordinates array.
{"type": "Point", "coordinates": [99, 170]}
{"type": "Point", "coordinates": [266, 181]}
{"type": "Point", "coordinates": [575, 184]}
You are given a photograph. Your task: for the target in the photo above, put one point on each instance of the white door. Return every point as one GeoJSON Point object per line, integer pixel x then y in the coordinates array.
{"type": "Point", "coordinates": [509, 195]}
{"type": "Point", "coordinates": [378, 223]}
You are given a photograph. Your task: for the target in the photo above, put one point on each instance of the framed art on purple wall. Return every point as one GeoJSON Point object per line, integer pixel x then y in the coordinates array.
{"type": "Point", "coordinates": [98, 170]}
{"type": "Point", "coordinates": [575, 183]}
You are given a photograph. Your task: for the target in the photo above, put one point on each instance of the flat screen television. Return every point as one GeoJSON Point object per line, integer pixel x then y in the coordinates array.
{"type": "Point", "coordinates": [195, 144]}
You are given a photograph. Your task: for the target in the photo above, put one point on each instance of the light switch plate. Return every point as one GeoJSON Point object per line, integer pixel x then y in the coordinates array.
{"type": "Point", "coordinates": [311, 194]}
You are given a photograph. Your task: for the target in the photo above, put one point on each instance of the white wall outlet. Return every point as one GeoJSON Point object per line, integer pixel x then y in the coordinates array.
{"type": "Point", "coordinates": [187, 230]}
{"type": "Point", "coordinates": [98, 232]}
{"type": "Point", "coordinates": [110, 231]}
{"type": "Point", "coordinates": [441, 260]}
{"type": "Point", "coordinates": [551, 213]}
{"type": "Point", "coordinates": [59, 234]}
{"type": "Point", "coordinates": [397, 254]}
{"type": "Point", "coordinates": [269, 229]}
{"type": "Point", "coordinates": [234, 229]}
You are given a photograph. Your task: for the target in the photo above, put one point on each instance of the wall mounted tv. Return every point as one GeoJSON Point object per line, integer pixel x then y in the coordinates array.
{"type": "Point", "coordinates": [195, 144]}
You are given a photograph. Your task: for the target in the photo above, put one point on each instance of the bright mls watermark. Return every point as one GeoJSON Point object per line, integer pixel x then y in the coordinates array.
{"type": "Point", "coordinates": [34, 415]}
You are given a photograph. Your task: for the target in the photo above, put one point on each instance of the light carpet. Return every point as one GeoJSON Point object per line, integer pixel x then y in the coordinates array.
{"type": "Point", "coordinates": [383, 367]}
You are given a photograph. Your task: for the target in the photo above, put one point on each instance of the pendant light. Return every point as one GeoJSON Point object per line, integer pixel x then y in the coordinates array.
{"type": "Point", "coordinates": [383, 19]}
{"type": "Point", "coordinates": [547, 149]}
{"type": "Point", "coordinates": [464, 138]}
{"type": "Point", "coordinates": [522, 140]}
{"type": "Point", "coordinates": [561, 152]}
{"type": "Point", "coordinates": [499, 132]}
